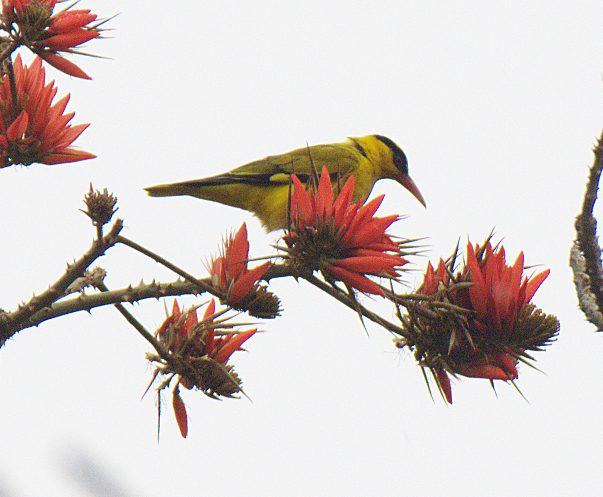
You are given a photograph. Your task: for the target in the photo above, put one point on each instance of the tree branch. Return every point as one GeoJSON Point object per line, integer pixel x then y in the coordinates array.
{"type": "Point", "coordinates": [11, 322]}
{"type": "Point", "coordinates": [586, 230]}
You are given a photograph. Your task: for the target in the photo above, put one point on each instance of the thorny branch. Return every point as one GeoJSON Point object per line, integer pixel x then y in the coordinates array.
{"type": "Point", "coordinates": [11, 322]}
{"type": "Point", "coordinates": [585, 256]}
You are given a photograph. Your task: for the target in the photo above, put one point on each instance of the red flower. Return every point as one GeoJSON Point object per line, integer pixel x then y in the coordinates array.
{"type": "Point", "coordinates": [229, 271]}
{"type": "Point", "coordinates": [183, 331]}
{"type": "Point", "coordinates": [498, 290]}
{"type": "Point", "coordinates": [32, 23]}
{"type": "Point", "coordinates": [340, 238]}
{"type": "Point", "coordinates": [34, 130]}
{"type": "Point", "coordinates": [495, 324]}
{"type": "Point", "coordinates": [199, 351]}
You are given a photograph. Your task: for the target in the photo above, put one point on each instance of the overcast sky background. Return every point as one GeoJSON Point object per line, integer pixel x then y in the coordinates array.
{"type": "Point", "coordinates": [497, 106]}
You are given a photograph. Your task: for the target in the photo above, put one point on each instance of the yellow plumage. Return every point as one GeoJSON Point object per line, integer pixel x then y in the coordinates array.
{"type": "Point", "coordinates": [262, 187]}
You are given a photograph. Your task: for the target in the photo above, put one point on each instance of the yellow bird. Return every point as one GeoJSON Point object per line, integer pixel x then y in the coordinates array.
{"type": "Point", "coordinates": [262, 187]}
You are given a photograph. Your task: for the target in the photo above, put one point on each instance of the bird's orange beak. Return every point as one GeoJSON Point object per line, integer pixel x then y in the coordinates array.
{"type": "Point", "coordinates": [409, 184]}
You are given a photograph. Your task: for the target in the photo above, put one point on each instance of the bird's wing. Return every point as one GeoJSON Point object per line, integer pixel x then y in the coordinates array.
{"type": "Point", "coordinates": [275, 169]}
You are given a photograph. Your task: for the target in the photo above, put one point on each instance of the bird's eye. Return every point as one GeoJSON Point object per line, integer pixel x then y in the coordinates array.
{"type": "Point", "coordinates": [401, 164]}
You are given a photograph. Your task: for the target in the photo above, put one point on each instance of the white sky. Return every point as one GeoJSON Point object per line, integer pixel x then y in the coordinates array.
{"type": "Point", "coordinates": [497, 106]}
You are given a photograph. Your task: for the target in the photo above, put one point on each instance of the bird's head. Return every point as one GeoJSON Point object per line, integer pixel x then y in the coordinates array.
{"type": "Point", "coordinates": [399, 171]}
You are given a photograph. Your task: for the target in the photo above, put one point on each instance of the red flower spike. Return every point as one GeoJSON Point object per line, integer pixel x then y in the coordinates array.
{"type": "Point", "coordinates": [229, 272]}
{"type": "Point", "coordinates": [202, 352]}
{"type": "Point", "coordinates": [180, 413]}
{"type": "Point", "coordinates": [340, 238]}
{"type": "Point", "coordinates": [501, 324]}
{"type": "Point", "coordinates": [31, 23]}
{"type": "Point", "coordinates": [41, 133]}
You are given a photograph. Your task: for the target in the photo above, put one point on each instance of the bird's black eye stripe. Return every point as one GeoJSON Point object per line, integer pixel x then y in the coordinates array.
{"type": "Point", "coordinates": [390, 144]}
{"type": "Point", "coordinates": [399, 157]}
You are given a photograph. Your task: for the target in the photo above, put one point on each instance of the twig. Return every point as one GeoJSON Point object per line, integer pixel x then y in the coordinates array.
{"type": "Point", "coordinates": [203, 285]}
{"type": "Point", "coordinates": [86, 302]}
{"type": "Point", "coordinates": [355, 306]}
{"type": "Point", "coordinates": [137, 326]}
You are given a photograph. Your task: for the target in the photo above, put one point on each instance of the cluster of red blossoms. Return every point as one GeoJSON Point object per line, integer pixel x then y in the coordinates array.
{"type": "Point", "coordinates": [198, 351]}
{"type": "Point", "coordinates": [241, 291]}
{"type": "Point", "coordinates": [483, 322]}
{"type": "Point", "coordinates": [340, 238]}
{"type": "Point", "coordinates": [32, 129]}
{"type": "Point", "coordinates": [31, 23]}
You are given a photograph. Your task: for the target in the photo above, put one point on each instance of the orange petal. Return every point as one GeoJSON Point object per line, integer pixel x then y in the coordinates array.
{"type": "Point", "coordinates": [18, 127]}
{"type": "Point", "coordinates": [70, 20]}
{"type": "Point", "coordinates": [66, 155]}
{"type": "Point", "coordinates": [301, 206]}
{"type": "Point", "coordinates": [362, 216]}
{"type": "Point", "coordinates": [356, 280]}
{"type": "Point", "coordinates": [66, 41]}
{"type": "Point", "coordinates": [371, 265]}
{"type": "Point", "coordinates": [372, 230]}
{"type": "Point", "coordinates": [209, 336]}
{"type": "Point", "coordinates": [233, 344]}
{"type": "Point", "coordinates": [488, 371]}
{"type": "Point", "coordinates": [237, 251]}
{"type": "Point", "coordinates": [64, 65]}
{"type": "Point", "coordinates": [444, 383]}
{"type": "Point", "coordinates": [508, 365]}
{"type": "Point", "coordinates": [342, 202]}
{"type": "Point", "coordinates": [384, 245]}
{"type": "Point", "coordinates": [245, 282]}
{"type": "Point", "coordinates": [477, 292]}
{"type": "Point", "coordinates": [534, 283]}
{"type": "Point", "coordinates": [180, 413]}
{"type": "Point", "coordinates": [324, 195]}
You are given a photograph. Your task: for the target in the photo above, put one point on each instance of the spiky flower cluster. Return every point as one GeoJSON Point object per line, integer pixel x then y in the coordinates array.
{"type": "Point", "coordinates": [340, 238]}
{"type": "Point", "coordinates": [229, 273]}
{"type": "Point", "coordinates": [481, 322]}
{"type": "Point", "coordinates": [33, 24]}
{"type": "Point", "coordinates": [31, 128]}
{"type": "Point", "coordinates": [100, 206]}
{"type": "Point", "coordinates": [198, 353]}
